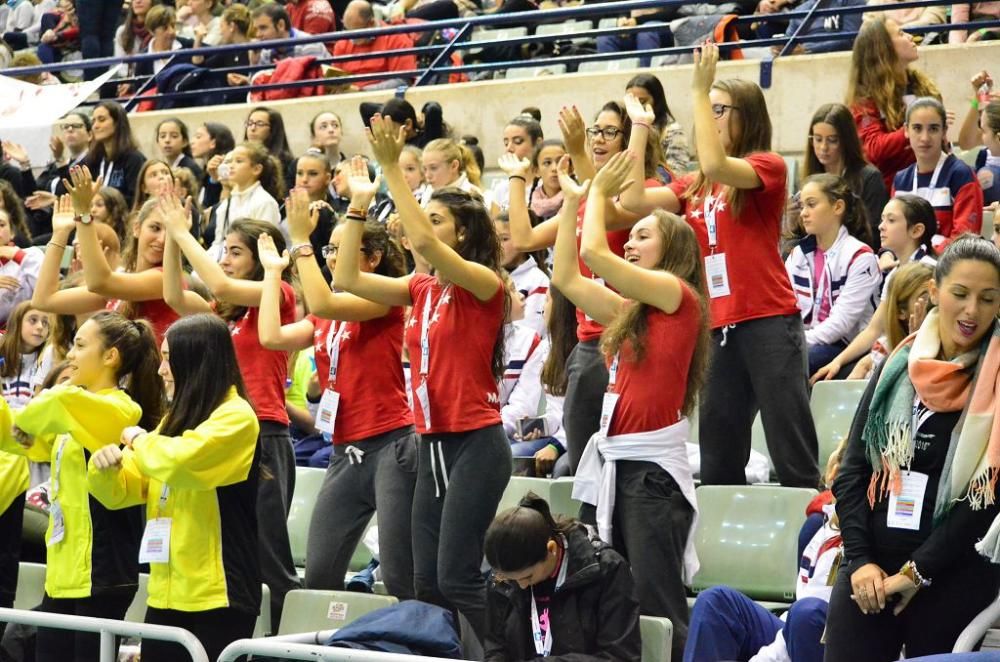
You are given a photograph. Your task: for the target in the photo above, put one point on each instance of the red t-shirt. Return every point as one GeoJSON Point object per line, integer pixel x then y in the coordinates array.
{"type": "Point", "coordinates": [156, 311]}
{"type": "Point", "coordinates": [369, 375]}
{"type": "Point", "coordinates": [463, 330]}
{"type": "Point", "coordinates": [264, 370]}
{"type": "Point", "coordinates": [405, 61]}
{"type": "Point", "coordinates": [652, 390]}
{"type": "Point", "coordinates": [758, 281]}
{"type": "Point", "coordinates": [313, 16]}
{"type": "Point", "coordinates": [586, 328]}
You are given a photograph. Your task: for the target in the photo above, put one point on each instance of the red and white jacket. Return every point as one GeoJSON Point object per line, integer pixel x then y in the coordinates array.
{"type": "Point", "coordinates": [850, 285]}
{"type": "Point", "coordinates": [24, 266]}
{"type": "Point", "coordinates": [533, 285]}
{"type": "Point", "coordinates": [521, 388]}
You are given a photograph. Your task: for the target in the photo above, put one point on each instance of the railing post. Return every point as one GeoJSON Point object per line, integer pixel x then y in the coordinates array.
{"type": "Point", "coordinates": [445, 53]}
{"type": "Point", "coordinates": [109, 652]}
{"type": "Point", "coordinates": [766, 67]}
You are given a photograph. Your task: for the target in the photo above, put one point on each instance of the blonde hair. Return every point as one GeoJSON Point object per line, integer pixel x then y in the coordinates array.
{"type": "Point", "coordinates": [453, 151]}
{"type": "Point", "coordinates": [907, 283]}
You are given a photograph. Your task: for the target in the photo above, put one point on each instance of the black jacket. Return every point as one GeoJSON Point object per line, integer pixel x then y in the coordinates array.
{"type": "Point", "coordinates": [594, 615]}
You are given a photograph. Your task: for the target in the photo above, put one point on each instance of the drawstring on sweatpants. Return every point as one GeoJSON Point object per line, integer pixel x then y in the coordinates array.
{"type": "Point", "coordinates": [725, 333]}
{"type": "Point", "coordinates": [354, 455]}
{"type": "Point", "coordinates": [444, 469]}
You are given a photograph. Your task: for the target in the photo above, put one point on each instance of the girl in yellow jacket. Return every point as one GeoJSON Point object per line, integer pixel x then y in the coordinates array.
{"type": "Point", "coordinates": [92, 556]}
{"type": "Point", "coordinates": [197, 474]}
{"type": "Point", "coordinates": [13, 483]}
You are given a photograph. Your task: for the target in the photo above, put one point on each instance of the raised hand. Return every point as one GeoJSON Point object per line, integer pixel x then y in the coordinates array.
{"type": "Point", "coordinates": [301, 219]}
{"type": "Point", "coordinates": [362, 188]}
{"type": "Point", "coordinates": [573, 129]}
{"type": "Point", "coordinates": [176, 217]}
{"type": "Point", "coordinates": [570, 188]}
{"type": "Point", "coordinates": [15, 152]}
{"type": "Point", "coordinates": [62, 216]}
{"type": "Point", "coordinates": [639, 112]}
{"type": "Point", "coordinates": [513, 166]}
{"type": "Point", "coordinates": [82, 188]}
{"type": "Point", "coordinates": [268, 254]}
{"type": "Point", "coordinates": [705, 59]}
{"type": "Point", "coordinates": [387, 140]}
{"type": "Point", "coordinates": [612, 179]}
{"type": "Point", "coordinates": [40, 200]}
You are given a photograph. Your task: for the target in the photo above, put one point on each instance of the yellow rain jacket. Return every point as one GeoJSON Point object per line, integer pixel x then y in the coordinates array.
{"type": "Point", "coordinates": [211, 501]}
{"type": "Point", "coordinates": [100, 547]}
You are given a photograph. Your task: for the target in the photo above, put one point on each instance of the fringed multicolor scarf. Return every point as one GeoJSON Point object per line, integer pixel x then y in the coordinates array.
{"type": "Point", "coordinates": [943, 386]}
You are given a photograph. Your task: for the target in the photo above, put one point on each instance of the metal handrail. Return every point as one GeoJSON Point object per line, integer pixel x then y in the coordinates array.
{"type": "Point", "coordinates": [107, 628]}
{"type": "Point", "coordinates": [297, 651]}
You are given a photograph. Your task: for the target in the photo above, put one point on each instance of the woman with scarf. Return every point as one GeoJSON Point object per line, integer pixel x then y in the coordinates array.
{"type": "Point", "coordinates": [917, 488]}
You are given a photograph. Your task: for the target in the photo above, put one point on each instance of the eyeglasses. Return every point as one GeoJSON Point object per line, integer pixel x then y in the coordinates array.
{"type": "Point", "coordinates": [608, 132]}
{"type": "Point", "coordinates": [329, 251]}
{"type": "Point", "coordinates": [256, 124]}
{"type": "Point", "coordinates": [832, 141]}
{"type": "Point", "coordinates": [719, 109]}
{"type": "Point", "coordinates": [72, 126]}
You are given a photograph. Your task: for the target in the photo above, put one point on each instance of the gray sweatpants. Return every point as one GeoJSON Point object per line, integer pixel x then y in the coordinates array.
{"type": "Point", "coordinates": [274, 499]}
{"type": "Point", "coordinates": [460, 479]}
{"type": "Point", "coordinates": [380, 481]}
{"type": "Point", "coordinates": [586, 383]}
{"type": "Point", "coordinates": [762, 365]}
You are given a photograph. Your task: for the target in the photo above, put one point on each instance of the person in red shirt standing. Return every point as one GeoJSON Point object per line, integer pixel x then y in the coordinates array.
{"type": "Point", "coordinates": [363, 409]}
{"type": "Point", "coordinates": [656, 342]}
{"type": "Point", "coordinates": [880, 87]}
{"type": "Point", "coordinates": [360, 16]}
{"type": "Point", "coordinates": [237, 283]}
{"type": "Point", "coordinates": [312, 16]}
{"type": "Point", "coordinates": [456, 346]}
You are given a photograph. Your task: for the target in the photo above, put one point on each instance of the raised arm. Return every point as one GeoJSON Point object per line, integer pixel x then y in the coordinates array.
{"type": "Point", "coordinates": [574, 132]}
{"type": "Point", "coordinates": [100, 278]}
{"type": "Point", "coordinates": [597, 301]}
{"type": "Point", "coordinates": [524, 237]}
{"type": "Point", "coordinates": [47, 295]}
{"type": "Point", "coordinates": [968, 134]}
{"type": "Point", "coordinates": [322, 301]}
{"type": "Point", "coordinates": [636, 200]}
{"type": "Point", "coordinates": [653, 286]}
{"type": "Point", "coordinates": [272, 335]}
{"type": "Point", "coordinates": [717, 166]}
{"type": "Point", "coordinates": [387, 142]}
{"type": "Point", "coordinates": [236, 291]}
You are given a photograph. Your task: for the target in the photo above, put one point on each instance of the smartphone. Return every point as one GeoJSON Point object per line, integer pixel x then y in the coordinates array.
{"type": "Point", "coordinates": [526, 426]}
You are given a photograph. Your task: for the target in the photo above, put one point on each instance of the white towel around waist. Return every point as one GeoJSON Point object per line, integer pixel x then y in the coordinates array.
{"type": "Point", "coordinates": [666, 447]}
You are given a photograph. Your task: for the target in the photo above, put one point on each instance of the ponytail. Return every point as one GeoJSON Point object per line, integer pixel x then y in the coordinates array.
{"type": "Point", "coordinates": [271, 178]}
{"type": "Point", "coordinates": [918, 210]}
{"type": "Point", "coordinates": [139, 362]}
{"type": "Point", "coordinates": [518, 538]}
{"type": "Point", "coordinates": [855, 219]}
{"type": "Point", "coordinates": [455, 151]}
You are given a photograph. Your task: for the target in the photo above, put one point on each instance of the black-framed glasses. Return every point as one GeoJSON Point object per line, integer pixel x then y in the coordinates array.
{"type": "Point", "coordinates": [257, 124]}
{"type": "Point", "coordinates": [719, 109]}
{"type": "Point", "coordinates": [72, 126]}
{"type": "Point", "coordinates": [329, 251]}
{"type": "Point", "coordinates": [608, 132]}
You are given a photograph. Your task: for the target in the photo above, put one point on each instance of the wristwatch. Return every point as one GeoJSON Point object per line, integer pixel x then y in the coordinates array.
{"type": "Point", "coordinates": [301, 250]}
{"type": "Point", "coordinates": [909, 570]}
{"type": "Point", "coordinates": [86, 219]}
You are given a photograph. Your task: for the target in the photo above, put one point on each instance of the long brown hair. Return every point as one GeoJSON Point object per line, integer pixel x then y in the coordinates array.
{"type": "Point", "coordinates": [907, 282]}
{"type": "Point", "coordinates": [562, 339]}
{"type": "Point", "coordinates": [10, 343]}
{"type": "Point", "coordinates": [839, 117]}
{"type": "Point", "coordinates": [248, 232]}
{"type": "Point", "coordinates": [875, 74]}
{"type": "Point", "coordinates": [749, 131]}
{"type": "Point", "coordinates": [11, 203]}
{"type": "Point", "coordinates": [681, 257]}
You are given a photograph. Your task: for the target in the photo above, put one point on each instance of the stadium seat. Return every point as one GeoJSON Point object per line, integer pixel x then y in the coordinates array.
{"type": "Point", "coordinates": [985, 628]}
{"type": "Point", "coordinates": [30, 585]}
{"type": "Point", "coordinates": [262, 628]}
{"type": "Point", "coordinates": [657, 634]}
{"type": "Point", "coordinates": [496, 34]}
{"type": "Point", "coordinates": [312, 611]}
{"type": "Point", "coordinates": [623, 64]}
{"type": "Point", "coordinates": [566, 28]}
{"type": "Point", "coordinates": [833, 404]}
{"type": "Point", "coordinates": [792, 181]}
{"type": "Point", "coordinates": [747, 538]}
{"type": "Point", "coordinates": [533, 72]}
{"type": "Point", "coordinates": [607, 23]}
{"type": "Point", "coordinates": [987, 229]}
{"type": "Point", "coordinates": [137, 610]}
{"type": "Point", "coordinates": [557, 492]}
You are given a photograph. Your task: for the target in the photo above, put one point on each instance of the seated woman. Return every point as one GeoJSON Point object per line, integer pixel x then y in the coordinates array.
{"type": "Point", "coordinates": [554, 585]}
{"type": "Point", "coordinates": [914, 494]}
{"type": "Point", "coordinates": [833, 271]}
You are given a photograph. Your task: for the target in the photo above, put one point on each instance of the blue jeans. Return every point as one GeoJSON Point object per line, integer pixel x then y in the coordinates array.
{"type": "Point", "coordinates": [529, 448]}
{"type": "Point", "coordinates": [820, 355]}
{"type": "Point", "coordinates": [636, 41]}
{"type": "Point", "coordinates": [727, 625]}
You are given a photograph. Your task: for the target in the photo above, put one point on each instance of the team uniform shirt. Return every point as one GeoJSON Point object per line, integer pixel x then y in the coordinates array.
{"type": "Point", "coordinates": [99, 548]}
{"type": "Point", "coordinates": [264, 370]}
{"type": "Point", "coordinates": [404, 60]}
{"type": "Point", "coordinates": [369, 374]}
{"type": "Point", "coordinates": [521, 388]}
{"type": "Point", "coordinates": [988, 174]}
{"type": "Point", "coordinates": [651, 390]}
{"type": "Point", "coordinates": [24, 266]}
{"type": "Point", "coordinates": [14, 478]}
{"type": "Point", "coordinates": [919, 255]}
{"type": "Point", "coordinates": [889, 151]}
{"type": "Point", "coordinates": [32, 370]}
{"type": "Point", "coordinates": [586, 328]}
{"type": "Point", "coordinates": [758, 283]}
{"type": "Point", "coordinates": [462, 331]}
{"type": "Point", "coordinates": [156, 311]}
{"type": "Point", "coordinates": [953, 191]}
{"type": "Point", "coordinates": [313, 17]}
{"type": "Point", "coordinates": [212, 473]}
{"type": "Point", "coordinates": [533, 285]}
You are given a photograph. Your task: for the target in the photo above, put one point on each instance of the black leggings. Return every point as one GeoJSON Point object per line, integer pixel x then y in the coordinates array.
{"type": "Point", "coordinates": [11, 521]}
{"type": "Point", "coordinates": [215, 629]}
{"type": "Point", "coordinates": [69, 646]}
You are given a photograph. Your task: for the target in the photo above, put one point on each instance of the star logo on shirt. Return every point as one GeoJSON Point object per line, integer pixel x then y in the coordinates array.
{"type": "Point", "coordinates": [434, 317]}
{"type": "Point", "coordinates": [446, 297]}
{"type": "Point", "coordinates": [346, 336]}
{"type": "Point", "coordinates": [413, 321]}
{"type": "Point", "coordinates": [696, 213]}
{"type": "Point", "coordinates": [720, 205]}
{"type": "Point", "coordinates": [235, 331]}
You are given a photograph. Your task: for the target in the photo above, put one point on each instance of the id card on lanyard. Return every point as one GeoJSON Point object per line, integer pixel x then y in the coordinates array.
{"type": "Point", "coordinates": [930, 192]}
{"type": "Point", "coordinates": [610, 399]}
{"type": "Point", "coordinates": [155, 545]}
{"type": "Point", "coordinates": [715, 263]}
{"type": "Point", "coordinates": [423, 396]}
{"type": "Point", "coordinates": [326, 415]}
{"type": "Point", "coordinates": [543, 642]}
{"type": "Point", "coordinates": [55, 508]}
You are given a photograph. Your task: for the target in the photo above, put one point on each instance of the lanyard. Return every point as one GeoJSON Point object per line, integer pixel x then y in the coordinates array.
{"type": "Point", "coordinates": [333, 349]}
{"type": "Point", "coordinates": [613, 371]}
{"type": "Point", "coordinates": [543, 645]}
{"type": "Point", "coordinates": [712, 205]}
{"type": "Point", "coordinates": [164, 493]}
{"type": "Point", "coordinates": [934, 177]}
{"type": "Point", "coordinates": [55, 475]}
{"type": "Point", "coordinates": [425, 332]}
{"type": "Point", "coordinates": [105, 174]}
